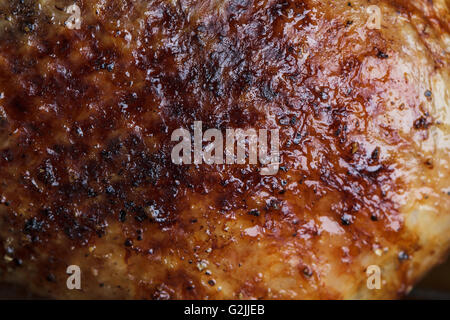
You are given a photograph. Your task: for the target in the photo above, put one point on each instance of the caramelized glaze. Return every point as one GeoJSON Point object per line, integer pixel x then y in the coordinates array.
{"type": "Point", "coordinates": [86, 118]}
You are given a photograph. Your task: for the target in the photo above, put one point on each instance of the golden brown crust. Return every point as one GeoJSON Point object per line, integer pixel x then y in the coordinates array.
{"type": "Point", "coordinates": [86, 174]}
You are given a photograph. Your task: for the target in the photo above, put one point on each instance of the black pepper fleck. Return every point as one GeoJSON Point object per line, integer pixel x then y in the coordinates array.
{"type": "Point", "coordinates": [110, 190]}
{"type": "Point", "coordinates": [122, 216]}
{"type": "Point", "coordinates": [91, 193]}
{"type": "Point", "coordinates": [307, 272]}
{"type": "Point", "coordinates": [382, 55]}
{"type": "Point", "coordinates": [284, 121]}
{"type": "Point", "coordinates": [346, 219]}
{"type": "Point", "coordinates": [402, 256]}
{"type": "Point", "coordinates": [51, 277]}
{"type": "Point", "coordinates": [18, 262]}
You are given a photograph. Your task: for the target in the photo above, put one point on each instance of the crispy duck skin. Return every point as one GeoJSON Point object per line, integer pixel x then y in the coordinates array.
{"type": "Point", "coordinates": [86, 176]}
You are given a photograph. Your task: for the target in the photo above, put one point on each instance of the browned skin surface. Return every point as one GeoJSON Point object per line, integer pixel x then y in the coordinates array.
{"type": "Point", "coordinates": [86, 176]}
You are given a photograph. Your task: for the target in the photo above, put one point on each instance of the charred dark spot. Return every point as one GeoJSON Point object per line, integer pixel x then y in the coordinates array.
{"type": "Point", "coordinates": [140, 214]}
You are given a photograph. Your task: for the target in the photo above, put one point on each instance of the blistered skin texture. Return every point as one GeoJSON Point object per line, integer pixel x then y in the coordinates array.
{"type": "Point", "coordinates": [86, 177]}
